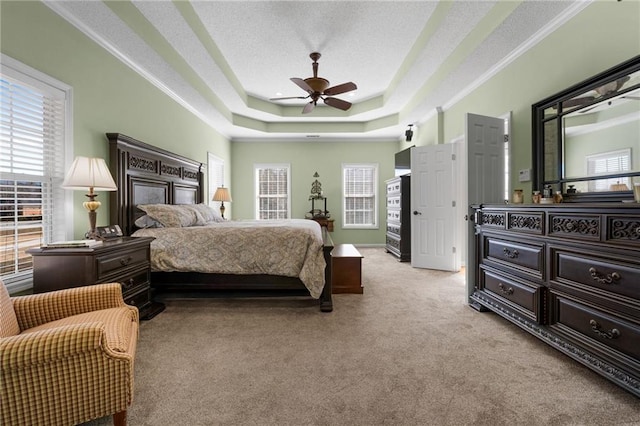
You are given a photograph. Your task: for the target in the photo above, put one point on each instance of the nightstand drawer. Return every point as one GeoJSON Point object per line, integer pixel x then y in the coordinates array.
{"type": "Point", "coordinates": [113, 264]}
{"type": "Point", "coordinates": [139, 300]}
{"type": "Point", "coordinates": [133, 283]}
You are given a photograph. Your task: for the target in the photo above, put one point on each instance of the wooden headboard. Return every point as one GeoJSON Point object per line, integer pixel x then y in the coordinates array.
{"type": "Point", "coordinates": [146, 174]}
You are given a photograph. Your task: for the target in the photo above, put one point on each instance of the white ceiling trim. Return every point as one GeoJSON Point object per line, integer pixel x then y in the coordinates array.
{"type": "Point", "coordinates": [553, 25]}
{"type": "Point", "coordinates": [109, 47]}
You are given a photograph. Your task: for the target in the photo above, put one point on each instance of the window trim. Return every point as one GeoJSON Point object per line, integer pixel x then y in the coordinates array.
{"type": "Point", "coordinates": [256, 189]}
{"type": "Point", "coordinates": [213, 161]}
{"type": "Point", "coordinates": [27, 75]}
{"type": "Point", "coordinates": [376, 198]}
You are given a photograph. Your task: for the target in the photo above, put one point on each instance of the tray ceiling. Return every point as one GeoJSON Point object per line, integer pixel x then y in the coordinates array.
{"type": "Point", "coordinates": [223, 60]}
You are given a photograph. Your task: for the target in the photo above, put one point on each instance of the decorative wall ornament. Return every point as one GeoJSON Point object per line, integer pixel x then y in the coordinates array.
{"type": "Point", "coordinates": [317, 195]}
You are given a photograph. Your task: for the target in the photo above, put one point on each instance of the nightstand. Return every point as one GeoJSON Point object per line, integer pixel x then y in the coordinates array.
{"type": "Point", "coordinates": [124, 260]}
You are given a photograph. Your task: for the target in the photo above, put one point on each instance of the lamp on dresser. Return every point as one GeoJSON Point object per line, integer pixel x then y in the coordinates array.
{"type": "Point", "coordinates": [91, 173]}
{"type": "Point", "coordinates": [222, 194]}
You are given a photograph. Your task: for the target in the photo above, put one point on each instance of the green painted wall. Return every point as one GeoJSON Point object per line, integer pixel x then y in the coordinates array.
{"type": "Point", "coordinates": [305, 159]}
{"type": "Point", "coordinates": [604, 34]}
{"type": "Point", "coordinates": [107, 95]}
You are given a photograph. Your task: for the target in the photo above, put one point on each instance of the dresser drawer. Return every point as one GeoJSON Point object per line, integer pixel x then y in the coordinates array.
{"type": "Point", "coordinates": [588, 271]}
{"type": "Point", "coordinates": [593, 324]}
{"type": "Point", "coordinates": [393, 228]}
{"type": "Point", "coordinates": [526, 257]}
{"type": "Point", "coordinates": [393, 215]}
{"type": "Point", "coordinates": [393, 201]}
{"type": "Point", "coordinates": [114, 264]}
{"type": "Point", "coordinates": [394, 186]}
{"type": "Point", "coordinates": [527, 296]}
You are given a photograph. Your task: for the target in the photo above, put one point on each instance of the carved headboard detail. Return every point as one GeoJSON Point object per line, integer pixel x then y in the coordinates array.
{"type": "Point", "coordinates": [146, 174]}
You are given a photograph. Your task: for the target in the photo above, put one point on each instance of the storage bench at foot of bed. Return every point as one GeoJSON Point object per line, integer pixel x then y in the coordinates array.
{"type": "Point", "coordinates": [346, 269]}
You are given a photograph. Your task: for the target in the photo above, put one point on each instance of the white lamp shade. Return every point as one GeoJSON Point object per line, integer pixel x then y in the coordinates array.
{"type": "Point", "coordinates": [222, 194]}
{"type": "Point", "coordinates": [88, 172]}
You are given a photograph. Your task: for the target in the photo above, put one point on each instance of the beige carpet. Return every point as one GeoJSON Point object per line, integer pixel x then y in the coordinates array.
{"type": "Point", "coordinates": [409, 351]}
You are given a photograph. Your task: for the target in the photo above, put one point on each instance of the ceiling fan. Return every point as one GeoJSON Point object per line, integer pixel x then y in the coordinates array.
{"type": "Point", "coordinates": [318, 88]}
{"type": "Point", "coordinates": [608, 89]}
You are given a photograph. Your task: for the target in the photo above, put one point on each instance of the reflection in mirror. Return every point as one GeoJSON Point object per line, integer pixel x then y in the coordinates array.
{"type": "Point", "coordinates": [603, 139]}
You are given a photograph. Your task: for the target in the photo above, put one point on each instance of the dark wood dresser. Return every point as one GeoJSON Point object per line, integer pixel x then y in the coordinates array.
{"type": "Point", "coordinates": [568, 274]}
{"type": "Point", "coordinates": [124, 260]}
{"type": "Point", "coordinates": [398, 237]}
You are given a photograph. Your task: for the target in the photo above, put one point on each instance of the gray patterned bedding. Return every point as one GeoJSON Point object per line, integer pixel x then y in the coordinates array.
{"type": "Point", "coordinates": [290, 248]}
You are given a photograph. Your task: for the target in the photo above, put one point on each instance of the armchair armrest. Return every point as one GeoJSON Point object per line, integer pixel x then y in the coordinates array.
{"type": "Point", "coordinates": [45, 346]}
{"type": "Point", "coordinates": [36, 309]}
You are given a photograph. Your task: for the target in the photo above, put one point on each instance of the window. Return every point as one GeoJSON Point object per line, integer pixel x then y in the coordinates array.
{"type": "Point", "coordinates": [360, 201]}
{"type": "Point", "coordinates": [34, 129]}
{"type": "Point", "coordinates": [215, 174]}
{"type": "Point", "coordinates": [273, 200]}
{"type": "Point", "coordinates": [609, 163]}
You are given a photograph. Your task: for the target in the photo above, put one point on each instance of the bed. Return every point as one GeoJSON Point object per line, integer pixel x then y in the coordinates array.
{"type": "Point", "coordinates": [149, 176]}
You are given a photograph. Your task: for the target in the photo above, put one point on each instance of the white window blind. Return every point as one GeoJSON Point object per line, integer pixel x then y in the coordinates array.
{"type": "Point", "coordinates": [32, 159]}
{"type": "Point", "coordinates": [608, 163]}
{"type": "Point", "coordinates": [215, 173]}
{"type": "Point", "coordinates": [360, 201]}
{"type": "Point", "coordinates": [272, 191]}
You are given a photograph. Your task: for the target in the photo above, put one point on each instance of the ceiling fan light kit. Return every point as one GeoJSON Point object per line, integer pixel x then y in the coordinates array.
{"type": "Point", "coordinates": [318, 88]}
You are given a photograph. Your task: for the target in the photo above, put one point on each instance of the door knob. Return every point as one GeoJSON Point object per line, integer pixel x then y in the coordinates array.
{"type": "Point", "coordinates": [416, 212]}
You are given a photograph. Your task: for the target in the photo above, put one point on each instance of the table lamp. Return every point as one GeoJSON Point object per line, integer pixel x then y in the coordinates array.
{"type": "Point", "coordinates": [91, 173]}
{"type": "Point", "coordinates": [222, 194]}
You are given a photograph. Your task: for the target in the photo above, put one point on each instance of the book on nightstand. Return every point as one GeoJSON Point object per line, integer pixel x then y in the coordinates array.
{"type": "Point", "coordinates": [73, 244]}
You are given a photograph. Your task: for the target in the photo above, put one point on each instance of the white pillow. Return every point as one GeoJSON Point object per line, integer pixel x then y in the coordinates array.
{"type": "Point", "coordinates": [209, 214]}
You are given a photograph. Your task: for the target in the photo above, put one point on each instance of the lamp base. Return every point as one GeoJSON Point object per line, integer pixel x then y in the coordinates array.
{"type": "Point", "coordinates": [222, 209]}
{"type": "Point", "coordinates": [92, 205]}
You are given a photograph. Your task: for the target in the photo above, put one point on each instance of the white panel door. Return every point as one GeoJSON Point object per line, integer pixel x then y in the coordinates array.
{"type": "Point", "coordinates": [433, 224]}
{"type": "Point", "coordinates": [485, 178]}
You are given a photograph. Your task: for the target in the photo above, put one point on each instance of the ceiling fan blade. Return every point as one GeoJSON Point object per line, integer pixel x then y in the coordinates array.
{"type": "Point", "coordinates": [337, 103]}
{"type": "Point", "coordinates": [308, 107]}
{"type": "Point", "coordinates": [302, 84]}
{"type": "Point", "coordinates": [577, 101]}
{"type": "Point", "coordinates": [340, 88]}
{"type": "Point", "coordinates": [289, 97]}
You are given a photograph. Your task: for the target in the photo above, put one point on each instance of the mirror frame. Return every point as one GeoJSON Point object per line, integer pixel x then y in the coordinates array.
{"type": "Point", "coordinates": [555, 101]}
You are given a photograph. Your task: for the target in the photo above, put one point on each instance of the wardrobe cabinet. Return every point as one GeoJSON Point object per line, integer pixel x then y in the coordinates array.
{"type": "Point", "coordinates": [398, 238]}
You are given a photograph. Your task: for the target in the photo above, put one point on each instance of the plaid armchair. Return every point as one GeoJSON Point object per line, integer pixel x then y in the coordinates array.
{"type": "Point", "coordinates": [66, 356]}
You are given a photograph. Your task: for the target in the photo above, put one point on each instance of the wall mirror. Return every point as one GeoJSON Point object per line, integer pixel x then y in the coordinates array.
{"type": "Point", "coordinates": [586, 139]}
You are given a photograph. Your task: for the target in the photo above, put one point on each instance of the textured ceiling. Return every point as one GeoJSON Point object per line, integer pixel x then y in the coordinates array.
{"type": "Point", "coordinates": [224, 60]}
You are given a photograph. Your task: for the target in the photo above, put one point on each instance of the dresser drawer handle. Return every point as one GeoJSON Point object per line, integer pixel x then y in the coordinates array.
{"type": "Point", "coordinates": [596, 327]}
{"type": "Point", "coordinates": [128, 284]}
{"type": "Point", "coordinates": [510, 254]}
{"type": "Point", "coordinates": [125, 262]}
{"type": "Point", "coordinates": [505, 290]}
{"type": "Point", "coordinates": [602, 278]}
